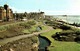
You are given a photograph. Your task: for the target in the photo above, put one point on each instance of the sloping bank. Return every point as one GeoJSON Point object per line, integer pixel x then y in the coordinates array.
{"type": "Point", "coordinates": [60, 45]}
{"type": "Point", "coordinates": [24, 44]}
{"type": "Point", "coordinates": [11, 30]}
{"type": "Point", "coordinates": [47, 36]}
{"type": "Point", "coordinates": [43, 43]}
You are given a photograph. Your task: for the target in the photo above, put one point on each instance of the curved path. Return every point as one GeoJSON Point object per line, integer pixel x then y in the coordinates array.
{"type": "Point", "coordinates": [5, 41]}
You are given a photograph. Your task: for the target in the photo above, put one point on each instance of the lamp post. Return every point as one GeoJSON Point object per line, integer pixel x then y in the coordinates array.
{"type": "Point", "coordinates": [15, 16]}
{"type": "Point", "coordinates": [66, 18]}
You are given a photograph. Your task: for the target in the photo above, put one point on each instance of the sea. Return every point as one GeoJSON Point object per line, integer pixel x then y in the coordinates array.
{"type": "Point", "coordinates": [69, 18]}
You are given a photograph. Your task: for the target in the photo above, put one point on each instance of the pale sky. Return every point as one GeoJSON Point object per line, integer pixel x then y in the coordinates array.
{"type": "Point", "coordinates": [50, 7]}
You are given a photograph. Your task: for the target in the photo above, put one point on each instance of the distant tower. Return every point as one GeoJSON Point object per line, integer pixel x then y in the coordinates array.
{"type": "Point", "coordinates": [39, 10]}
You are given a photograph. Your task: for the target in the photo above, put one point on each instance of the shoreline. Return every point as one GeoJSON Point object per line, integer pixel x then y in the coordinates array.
{"type": "Point", "coordinates": [67, 22]}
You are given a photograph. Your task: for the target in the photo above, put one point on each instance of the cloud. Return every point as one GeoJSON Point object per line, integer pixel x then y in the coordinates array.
{"type": "Point", "coordinates": [21, 10]}
{"type": "Point", "coordinates": [75, 7]}
{"type": "Point", "coordinates": [65, 12]}
{"type": "Point", "coordinates": [74, 10]}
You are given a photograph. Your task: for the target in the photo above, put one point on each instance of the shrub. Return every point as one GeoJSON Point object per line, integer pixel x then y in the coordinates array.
{"type": "Point", "coordinates": [67, 32]}
{"type": "Point", "coordinates": [76, 24]}
{"type": "Point", "coordinates": [51, 22]}
{"type": "Point", "coordinates": [65, 35]}
{"type": "Point", "coordinates": [10, 25]}
{"type": "Point", "coordinates": [34, 39]}
{"type": "Point", "coordinates": [31, 22]}
{"type": "Point", "coordinates": [22, 24]}
{"type": "Point", "coordinates": [26, 25]}
{"type": "Point", "coordinates": [77, 39]}
{"type": "Point", "coordinates": [65, 27]}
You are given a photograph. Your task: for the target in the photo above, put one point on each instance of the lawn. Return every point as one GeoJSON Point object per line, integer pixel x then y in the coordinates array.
{"type": "Point", "coordinates": [60, 45]}
{"type": "Point", "coordinates": [43, 28]}
{"type": "Point", "coordinates": [32, 29]}
{"type": "Point", "coordinates": [5, 27]}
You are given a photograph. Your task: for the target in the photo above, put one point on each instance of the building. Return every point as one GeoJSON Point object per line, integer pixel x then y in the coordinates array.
{"type": "Point", "coordinates": [31, 15]}
{"type": "Point", "coordinates": [6, 13]}
{"type": "Point", "coordinates": [36, 15]}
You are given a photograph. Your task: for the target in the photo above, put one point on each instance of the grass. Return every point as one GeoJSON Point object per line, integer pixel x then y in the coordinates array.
{"type": "Point", "coordinates": [43, 28]}
{"type": "Point", "coordinates": [34, 39]}
{"type": "Point", "coordinates": [32, 29]}
{"type": "Point", "coordinates": [26, 31]}
{"type": "Point", "coordinates": [10, 25]}
{"type": "Point", "coordinates": [65, 46]}
{"type": "Point", "coordinates": [60, 45]}
{"type": "Point", "coordinates": [8, 22]}
{"type": "Point", "coordinates": [49, 34]}
{"type": "Point", "coordinates": [24, 44]}
{"type": "Point", "coordinates": [14, 29]}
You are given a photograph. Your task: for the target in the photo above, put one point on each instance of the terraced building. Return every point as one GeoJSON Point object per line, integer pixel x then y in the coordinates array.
{"type": "Point", "coordinates": [6, 13]}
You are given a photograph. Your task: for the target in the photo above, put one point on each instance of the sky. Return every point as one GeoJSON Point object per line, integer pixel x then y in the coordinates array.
{"type": "Point", "coordinates": [50, 7]}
